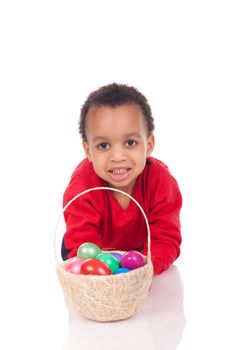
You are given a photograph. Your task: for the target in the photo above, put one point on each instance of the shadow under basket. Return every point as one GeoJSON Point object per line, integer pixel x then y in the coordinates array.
{"type": "Point", "coordinates": [111, 297]}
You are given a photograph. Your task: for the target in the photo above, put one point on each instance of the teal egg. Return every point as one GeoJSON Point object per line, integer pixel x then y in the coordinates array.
{"type": "Point", "coordinates": [109, 260]}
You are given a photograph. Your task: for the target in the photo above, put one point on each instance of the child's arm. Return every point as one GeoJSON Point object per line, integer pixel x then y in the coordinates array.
{"type": "Point", "coordinates": [82, 218]}
{"type": "Point", "coordinates": [81, 227]}
{"type": "Point", "coordinates": [165, 223]}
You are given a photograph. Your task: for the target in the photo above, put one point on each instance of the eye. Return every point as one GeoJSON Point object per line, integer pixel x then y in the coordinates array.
{"type": "Point", "coordinates": [103, 146]}
{"type": "Point", "coordinates": [130, 143]}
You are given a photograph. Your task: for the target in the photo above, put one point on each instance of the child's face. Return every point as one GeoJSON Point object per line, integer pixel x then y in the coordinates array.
{"type": "Point", "coordinates": [118, 144]}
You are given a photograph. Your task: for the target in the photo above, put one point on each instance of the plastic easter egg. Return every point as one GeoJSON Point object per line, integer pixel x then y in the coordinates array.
{"type": "Point", "coordinates": [132, 260]}
{"type": "Point", "coordinates": [109, 260]}
{"type": "Point", "coordinates": [122, 270]}
{"type": "Point", "coordinates": [116, 255]}
{"type": "Point", "coordinates": [74, 266]}
{"type": "Point", "coordinates": [88, 251]}
{"type": "Point", "coordinates": [94, 267]}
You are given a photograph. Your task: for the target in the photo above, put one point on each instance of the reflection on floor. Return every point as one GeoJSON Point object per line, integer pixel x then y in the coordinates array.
{"type": "Point", "coordinates": [158, 326]}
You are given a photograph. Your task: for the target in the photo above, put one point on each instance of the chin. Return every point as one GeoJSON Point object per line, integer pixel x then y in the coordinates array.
{"type": "Point", "coordinates": [126, 187]}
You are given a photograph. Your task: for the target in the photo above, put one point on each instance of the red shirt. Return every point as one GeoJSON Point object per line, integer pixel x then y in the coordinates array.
{"type": "Point", "coordinates": [98, 217]}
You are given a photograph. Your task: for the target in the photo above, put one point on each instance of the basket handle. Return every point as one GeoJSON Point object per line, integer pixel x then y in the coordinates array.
{"type": "Point", "coordinates": [108, 189]}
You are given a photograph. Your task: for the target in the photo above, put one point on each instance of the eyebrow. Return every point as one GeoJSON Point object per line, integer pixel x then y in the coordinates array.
{"type": "Point", "coordinates": [99, 138]}
{"type": "Point", "coordinates": [131, 134]}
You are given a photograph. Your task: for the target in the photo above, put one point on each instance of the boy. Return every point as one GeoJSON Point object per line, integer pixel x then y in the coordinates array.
{"type": "Point", "coordinates": [116, 127]}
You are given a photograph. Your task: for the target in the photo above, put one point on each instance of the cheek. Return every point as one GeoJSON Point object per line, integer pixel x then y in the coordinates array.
{"type": "Point", "coordinates": [98, 161]}
{"type": "Point", "coordinates": [140, 158]}
{"type": "Point", "coordinates": [140, 154]}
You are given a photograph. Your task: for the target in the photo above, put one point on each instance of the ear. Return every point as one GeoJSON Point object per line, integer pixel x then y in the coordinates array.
{"type": "Point", "coordinates": [150, 144]}
{"type": "Point", "coordinates": [87, 150]}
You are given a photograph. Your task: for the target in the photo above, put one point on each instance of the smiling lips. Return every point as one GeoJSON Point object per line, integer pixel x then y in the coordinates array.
{"type": "Point", "coordinates": [119, 174]}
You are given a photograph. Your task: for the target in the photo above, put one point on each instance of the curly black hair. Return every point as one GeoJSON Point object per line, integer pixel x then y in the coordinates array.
{"type": "Point", "coordinates": [114, 95]}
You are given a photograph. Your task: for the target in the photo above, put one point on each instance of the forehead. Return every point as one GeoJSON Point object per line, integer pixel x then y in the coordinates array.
{"type": "Point", "coordinates": [122, 119]}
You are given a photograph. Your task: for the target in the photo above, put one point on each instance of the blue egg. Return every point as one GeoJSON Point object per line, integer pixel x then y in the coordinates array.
{"type": "Point", "coordinates": [121, 270]}
{"type": "Point", "coordinates": [117, 256]}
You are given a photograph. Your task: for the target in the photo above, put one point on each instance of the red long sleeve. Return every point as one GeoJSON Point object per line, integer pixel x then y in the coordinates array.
{"type": "Point", "coordinates": [81, 216]}
{"type": "Point", "coordinates": [87, 229]}
{"type": "Point", "coordinates": [164, 222]}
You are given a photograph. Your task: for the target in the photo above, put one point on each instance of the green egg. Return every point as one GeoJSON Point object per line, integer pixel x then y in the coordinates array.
{"type": "Point", "coordinates": [88, 250]}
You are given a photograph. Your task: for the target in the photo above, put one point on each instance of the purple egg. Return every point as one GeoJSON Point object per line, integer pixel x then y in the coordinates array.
{"type": "Point", "coordinates": [132, 260]}
{"type": "Point", "coordinates": [118, 256]}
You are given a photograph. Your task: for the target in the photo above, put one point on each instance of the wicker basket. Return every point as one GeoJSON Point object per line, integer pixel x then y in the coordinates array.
{"type": "Point", "coordinates": [110, 297]}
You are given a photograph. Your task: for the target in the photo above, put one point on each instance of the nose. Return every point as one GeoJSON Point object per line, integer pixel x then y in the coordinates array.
{"type": "Point", "coordinates": [117, 154]}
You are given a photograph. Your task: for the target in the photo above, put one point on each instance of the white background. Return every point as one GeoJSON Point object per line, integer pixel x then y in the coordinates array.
{"type": "Point", "coordinates": [179, 54]}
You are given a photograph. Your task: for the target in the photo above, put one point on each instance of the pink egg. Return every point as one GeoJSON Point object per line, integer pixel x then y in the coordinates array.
{"type": "Point", "coordinates": [74, 266]}
{"type": "Point", "coordinates": [132, 260]}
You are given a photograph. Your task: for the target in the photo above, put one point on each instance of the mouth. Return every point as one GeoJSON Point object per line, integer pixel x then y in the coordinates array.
{"type": "Point", "coordinates": [119, 174]}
